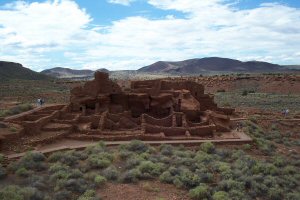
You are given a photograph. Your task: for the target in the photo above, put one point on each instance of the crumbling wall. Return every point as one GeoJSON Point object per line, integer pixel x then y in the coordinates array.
{"type": "Point", "coordinates": [166, 122]}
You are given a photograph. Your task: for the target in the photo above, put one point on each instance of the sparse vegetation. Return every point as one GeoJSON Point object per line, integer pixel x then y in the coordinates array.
{"type": "Point", "coordinates": [207, 172]}
{"type": "Point", "coordinates": [16, 110]}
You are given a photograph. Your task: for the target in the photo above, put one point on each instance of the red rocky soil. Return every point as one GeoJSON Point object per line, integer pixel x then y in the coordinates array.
{"type": "Point", "coordinates": [153, 190]}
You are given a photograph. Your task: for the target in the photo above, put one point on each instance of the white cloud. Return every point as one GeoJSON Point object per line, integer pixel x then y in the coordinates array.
{"type": "Point", "coordinates": [122, 2]}
{"type": "Point", "coordinates": [58, 33]}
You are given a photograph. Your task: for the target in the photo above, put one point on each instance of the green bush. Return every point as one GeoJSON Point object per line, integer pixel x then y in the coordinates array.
{"type": "Point", "coordinates": [189, 179]}
{"type": "Point", "coordinates": [58, 167]}
{"type": "Point", "coordinates": [275, 193]}
{"type": "Point", "coordinates": [289, 170]}
{"type": "Point", "coordinates": [136, 146]}
{"type": "Point", "coordinates": [293, 196]}
{"type": "Point", "coordinates": [16, 110]}
{"type": "Point", "coordinates": [23, 172]}
{"type": "Point", "coordinates": [200, 192]}
{"type": "Point", "coordinates": [207, 147]}
{"type": "Point", "coordinates": [54, 157]}
{"type": "Point", "coordinates": [133, 162]}
{"type": "Point", "coordinates": [244, 93]}
{"type": "Point", "coordinates": [13, 192]}
{"type": "Point", "coordinates": [131, 176]}
{"type": "Point", "coordinates": [202, 157]}
{"type": "Point", "coordinates": [148, 167]}
{"type": "Point", "coordinates": [99, 180]}
{"type": "Point", "coordinates": [166, 150]}
{"type": "Point", "coordinates": [166, 177]}
{"type": "Point", "coordinates": [111, 173]}
{"type": "Point", "coordinates": [101, 160]}
{"type": "Point", "coordinates": [31, 161]}
{"type": "Point", "coordinates": [88, 195]}
{"type": "Point", "coordinates": [220, 195]}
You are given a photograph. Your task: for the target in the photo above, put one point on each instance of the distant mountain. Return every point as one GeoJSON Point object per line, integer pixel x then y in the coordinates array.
{"type": "Point", "coordinates": [60, 72]}
{"type": "Point", "coordinates": [11, 70]}
{"type": "Point", "coordinates": [211, 64]}
{"type": "Point", "coordinates": [296, 67]}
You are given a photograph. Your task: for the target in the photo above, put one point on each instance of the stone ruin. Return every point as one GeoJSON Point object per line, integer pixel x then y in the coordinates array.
{"type": "Point", "coordinates": [154, 110]}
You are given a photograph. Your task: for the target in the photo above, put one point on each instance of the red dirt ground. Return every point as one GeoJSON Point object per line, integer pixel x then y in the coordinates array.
{"type": "Point", "coordinates": [152, 190]}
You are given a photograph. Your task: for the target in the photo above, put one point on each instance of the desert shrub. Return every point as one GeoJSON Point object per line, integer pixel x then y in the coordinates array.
{"type": "Point", "coordinates": [166, 150]}
{"type": "Point", "coordinates": [31, 161]}
{"type": "Point", "coordinates": [63, 195]}
{"type": "Point", "coordinates": [75, 173]}
{"type": "Point", "coordinates": [207, 147]}
{"type": "Point", "coordinates": [269, 168]}
{"type": "Point", "coordinates": [205, 177]}
{"type": "Point", "coordinates": [275, 193]}
{"type": "Point", "coordinates": [131, 176]}
{"type": "Point", "coordinates": [244, 93]}
{"type": "Point", "coordinates": [202, 157]}
{"type": "Point", "coordinates": [246, 146]}
{"type": "Point", "coordinates": [200, 192]}
{"type": "Point", "coordinates": [58, 167]}
{"type": "Point", "coordinates": [2, 172]}
{"type": "Point", "coordinates": [289, 170]}
{"type": "Point", "coordinates": [257, 186]}
{"type": "Point", "coordinates": [220, 195]}
{"type": "Point", "coordinates": [90, 176]}
{"type": "Point", "coordinates": [189, 179]}
{"type": "Point", "coordinates": [23, 172]}
{"type": "Point", "coordinates": [11, 192]}
{"type": "Point", "coordinates": [54, 157]}
{"type": "Point", "coordinates": [17, 110]}
{"type": "Point", "coordinates": [100, 180]}
{"type": "Point", "coordinates": [133, 162]}
{"type": "Point", "coordinates": [95, 149]}
{"type": "Point", "coordinates": [270, 181]}
{"type": "Point", "coordinates": [125, 154]}
{"type": "Point", "coordinates": [223, 153]}
{"type": "Point", "coordinates": [101, 160]}
{"type": "Point", "coordinates": [32, 193]}
{"type": "Point", "coordinates": [111, 173]}
{"type": "Point", "coordinates": [166, 177]}
{"type": "Point", "coordinates": [149, 168]}
{"type": "Point", "coordinates": [88, 195]}
{"type": "Point", "coordinates": [75, 185]}
{"type": "Point", "coordinates": [136, 146]}
{"type": "Point", "coordinates": [69, 159]}
{"type": "Point", "coordinates": [278, 161]}
{"type": "Point", "coordinates": [237, 194]}
{"type": "Point", "coordinates": [293, 196]}
{"type": "Point", "coordinates": [38, 182]}
{"type": "Point", "coordinates": [230, 184]}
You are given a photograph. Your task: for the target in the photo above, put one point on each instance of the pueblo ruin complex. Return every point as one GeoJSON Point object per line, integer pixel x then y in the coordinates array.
{"type": "Point", "coordinates": [152, 110]}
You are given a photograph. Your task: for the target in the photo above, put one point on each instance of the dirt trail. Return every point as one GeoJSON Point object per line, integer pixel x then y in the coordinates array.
{"type": "Point", "coordinates": [68, 144]}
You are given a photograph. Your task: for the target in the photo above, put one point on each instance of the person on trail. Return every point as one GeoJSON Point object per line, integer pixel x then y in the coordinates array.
{"type": "Point", "coordinates": [286, 112]}
{"type": "Point", "coordinates": [38, 102]}
{"type": "Point", "coordinates": [42, 102]}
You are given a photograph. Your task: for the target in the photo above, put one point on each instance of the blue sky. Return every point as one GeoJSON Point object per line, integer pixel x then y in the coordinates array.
{"type": "Point", "coordinates": [129, 34]}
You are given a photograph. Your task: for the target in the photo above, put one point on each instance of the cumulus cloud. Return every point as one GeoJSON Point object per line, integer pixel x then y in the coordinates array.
{"type": "Point", "coordinates": [61, 33]}
{"type": "Point", "coordinates": [122, 2]}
